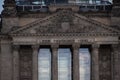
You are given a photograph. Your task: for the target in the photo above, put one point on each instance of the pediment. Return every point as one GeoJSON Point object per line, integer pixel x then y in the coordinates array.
{"type": "Point", "coordinates": [65, 22]}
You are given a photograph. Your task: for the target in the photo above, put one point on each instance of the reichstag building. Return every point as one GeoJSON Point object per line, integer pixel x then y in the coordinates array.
{"type": "Point", "coordinates": [60, 40]}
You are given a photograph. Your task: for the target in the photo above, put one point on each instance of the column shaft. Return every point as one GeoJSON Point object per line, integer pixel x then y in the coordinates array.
{"type": "Point", "coordinates": [54, 62]}
{"type": "Point", "coordinates": [75, 62]}
{"type": "Point", "coordinates": [95, 62]}
{"type": "Point", "coordinates": [16, 62]}
{"type": "Point", "coordinates": [35, 62]}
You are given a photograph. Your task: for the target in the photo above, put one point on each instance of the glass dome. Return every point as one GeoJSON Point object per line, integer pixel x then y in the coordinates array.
{"type": "Point", "coordinates": [43, 2]}
{"type": "Point", "coordinates": [85, 5]}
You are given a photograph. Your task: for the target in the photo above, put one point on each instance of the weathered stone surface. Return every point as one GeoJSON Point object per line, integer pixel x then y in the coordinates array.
{"type": "Point", "coordinates": [8, 24]}
{"type": "Point", "coordinates": [64, 27]}
{"type": "Point", "coordinates": [65, 22]}
{"type": "Point", "coordinates": [105, 63]}
{"type": "Point", "coordinates": [25, 63]}
{"type": "Point", "coordinates": [6, 61]}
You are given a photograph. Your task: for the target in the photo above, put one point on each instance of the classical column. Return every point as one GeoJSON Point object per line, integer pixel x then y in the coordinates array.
{"type": "Point", "coordinates": [75, 61]}
{"type": "Point", "coordinates": [116, 61]}
{"type": "Point", "coordinates": [35, 62]}
{"type": "Point", "coordinates": [16, 62]}
{"type": "Point", "coordinates": [95, 62]}
{"type": "Point", "coordinates": [54, 61]}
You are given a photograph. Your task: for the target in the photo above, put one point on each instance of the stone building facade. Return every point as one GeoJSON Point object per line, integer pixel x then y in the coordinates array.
{"type": "Point", "coordinates": [23, 33]}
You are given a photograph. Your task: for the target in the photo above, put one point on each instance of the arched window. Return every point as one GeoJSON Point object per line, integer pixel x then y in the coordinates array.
{"type": "Point", "coordinates": [44, 64]}
{"type": "Point", "coordinates": [84, 63]}
{"type": "Point", "coordinates": [64, 64]}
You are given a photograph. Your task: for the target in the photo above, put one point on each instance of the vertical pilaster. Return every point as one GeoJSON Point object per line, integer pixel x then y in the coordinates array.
{"type": "Point", "coordinates": [54, 61]}
{"type": "Point", "coordinates": [116, 61]}
{"type": "Point", "coordinates": [16, 62]}
{"type": "Point", "coordinates": [6, 60]}
{"type": "Point", "coordinates": [95, 61]}
{"type": "Point", "coordinates": [35, 62]}
{"type": "Point", "coordinates": [75, 61]}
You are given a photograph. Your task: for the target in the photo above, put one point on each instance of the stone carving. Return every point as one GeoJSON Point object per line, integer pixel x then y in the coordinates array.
{"type": "Point", "coordinates": [9, 8]}
{"type": "Point", "coordinates": [65, 22]}
{"type": "Point", "coordinates": [105, 63]}
{"type": "Point", "coordinates": [25, 64]}
{"type": "Point", "coordinates": [9, 1]}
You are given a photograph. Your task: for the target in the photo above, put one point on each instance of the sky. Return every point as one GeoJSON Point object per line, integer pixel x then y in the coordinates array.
{"type": "Point", "coordinates": [1, 3]}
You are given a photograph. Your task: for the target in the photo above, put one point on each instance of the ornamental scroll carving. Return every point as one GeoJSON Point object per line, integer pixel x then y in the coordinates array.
{"type": "Point", "coordinates": [25, 64]}
{"type": "Point", "coordinates": [105, 63]}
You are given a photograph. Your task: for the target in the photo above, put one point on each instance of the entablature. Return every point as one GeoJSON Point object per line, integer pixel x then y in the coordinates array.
{"type": "Point", "coordinates": [64, 40]}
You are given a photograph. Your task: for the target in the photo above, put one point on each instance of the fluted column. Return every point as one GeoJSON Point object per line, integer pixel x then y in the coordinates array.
{"type": "Point", "coordinates": [95, 62]}
{"type": "Point", "coordinates": [75, 61]}
{"type": "Point", "coordinates": [54, 61]}
{"type": "Point", "coordinates": [35, 62]}
{"type": "Point", "coordinates": [16, 62]}
{"type": "Point", "coordinates": [116, 61]}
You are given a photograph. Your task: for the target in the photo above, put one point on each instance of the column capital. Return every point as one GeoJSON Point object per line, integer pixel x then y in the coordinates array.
{"type": "Point", "coordinates": [16, 47]}
{"type": "Point", "coordinates": [115, 46]}
{"type": "Point", "coordinates": [95, 46]}
{"type": "Point", "coordinates": [54, 46]}
{"type": "Point", "coordinates": [35, 47]}
{"type": "Point", "coordinates": [76, 46]}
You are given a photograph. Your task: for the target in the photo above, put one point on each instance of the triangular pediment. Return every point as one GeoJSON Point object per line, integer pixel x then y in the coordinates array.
{"type": "Point", "coordinates": [65, 22]}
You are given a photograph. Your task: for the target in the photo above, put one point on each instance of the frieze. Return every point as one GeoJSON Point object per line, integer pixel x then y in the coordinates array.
{"type": "Point", "coordinates": [63, 40]}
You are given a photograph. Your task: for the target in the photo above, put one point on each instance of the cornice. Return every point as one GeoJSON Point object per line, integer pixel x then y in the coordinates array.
{"type": "Point", "coordinates": [97, 23]}
{"type": "Point", "coordinates": [5, 36]}
{"type": "Point", "coordinates": [69, 34]}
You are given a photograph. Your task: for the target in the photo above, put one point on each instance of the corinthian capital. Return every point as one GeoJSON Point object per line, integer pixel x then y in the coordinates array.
{"type": "Point", "coordinates": [35, 47]}
{"type": "Point", "coordinates": [54, 46]}
{"type": "Point", "coordinates": [76, 46]}
{"type": "Point", "coordinates": [16, 47]}
{"type": "Point", "coordinates": [95, 46]}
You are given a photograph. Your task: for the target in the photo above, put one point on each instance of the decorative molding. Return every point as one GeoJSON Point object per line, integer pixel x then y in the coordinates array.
{"type": "Point", "coordinates": [68, 34]}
